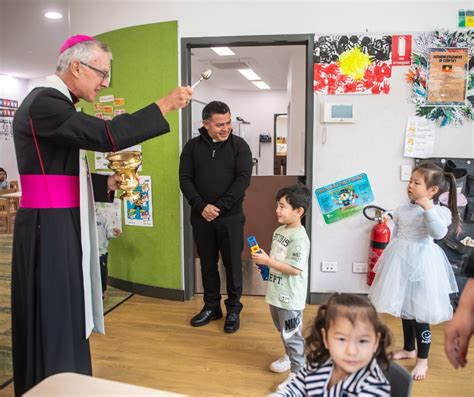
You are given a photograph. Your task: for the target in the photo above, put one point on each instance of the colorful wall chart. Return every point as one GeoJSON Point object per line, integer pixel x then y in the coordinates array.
{"type": "Point", "coordinates": [139, 212]}
{"type": "Point", "coordinates": [344, 198]}
{"type": "Point", "coordinates": [352, 64]}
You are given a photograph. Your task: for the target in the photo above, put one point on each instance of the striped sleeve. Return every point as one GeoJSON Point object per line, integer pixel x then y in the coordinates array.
{"type": "Point", "coordinates": [295, 388]}
{"type": "Point", "coordinates": [375, 383]}
{"type": "Point", "coordinates": [310, 380]}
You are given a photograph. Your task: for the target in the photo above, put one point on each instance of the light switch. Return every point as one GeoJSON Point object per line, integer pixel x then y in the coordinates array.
{"type": "Point", "coordinates": [405, 172]}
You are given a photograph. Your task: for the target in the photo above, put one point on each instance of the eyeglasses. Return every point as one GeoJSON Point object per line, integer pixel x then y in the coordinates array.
{"type": "Point", "coordinates": [102, 73]}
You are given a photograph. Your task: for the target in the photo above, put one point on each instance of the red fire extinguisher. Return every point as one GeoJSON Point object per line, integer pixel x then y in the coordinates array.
{"type": "Point", "coordinates": [379, 238]}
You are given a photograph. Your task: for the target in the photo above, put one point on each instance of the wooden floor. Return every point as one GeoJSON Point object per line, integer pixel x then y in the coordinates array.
{"type": "Point", "coordinates": [149, 342]}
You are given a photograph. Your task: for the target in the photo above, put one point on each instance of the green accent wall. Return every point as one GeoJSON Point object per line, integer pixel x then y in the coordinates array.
{"type": "Point", "coordinates": [144, 69]}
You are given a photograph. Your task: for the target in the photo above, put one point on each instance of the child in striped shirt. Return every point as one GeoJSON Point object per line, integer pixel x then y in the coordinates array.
{"type": "Point", "coordinates": [345, 352]}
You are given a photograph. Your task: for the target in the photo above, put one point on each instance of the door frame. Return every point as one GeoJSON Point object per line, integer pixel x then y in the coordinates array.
{"type": "Point", "coordinates": [275, 117]}
{"type": "Point", "coordinates": [187, 44]}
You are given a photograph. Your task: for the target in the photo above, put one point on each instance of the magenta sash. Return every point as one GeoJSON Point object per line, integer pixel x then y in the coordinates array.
{"type": "Point", "coordinates": [49, 191]}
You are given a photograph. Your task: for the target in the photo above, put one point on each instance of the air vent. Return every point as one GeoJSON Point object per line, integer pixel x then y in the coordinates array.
{"type": "Point", "coordinates": [230, 65]}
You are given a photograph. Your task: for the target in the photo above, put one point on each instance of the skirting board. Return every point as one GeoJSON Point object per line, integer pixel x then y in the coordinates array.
{"type": "Point", "coordinates": [147, 290]}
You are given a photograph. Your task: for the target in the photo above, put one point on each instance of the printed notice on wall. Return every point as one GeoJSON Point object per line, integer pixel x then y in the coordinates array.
{"type": "Point", "coordinates": [344, 198]}
{"type": "Point", "coordinates": [401, 50]}
{"type": "Point", "coordinates": [419, 137]}
{"type": "Point", "coordinates": [447, 77]}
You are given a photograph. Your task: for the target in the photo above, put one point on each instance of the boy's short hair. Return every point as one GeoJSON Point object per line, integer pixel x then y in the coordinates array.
{"type": "Point", "coordinates": [298, 196]}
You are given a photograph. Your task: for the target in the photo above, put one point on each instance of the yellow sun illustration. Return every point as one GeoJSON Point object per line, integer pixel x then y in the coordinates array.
{"type": "Point", "coordinates": [353, 63]}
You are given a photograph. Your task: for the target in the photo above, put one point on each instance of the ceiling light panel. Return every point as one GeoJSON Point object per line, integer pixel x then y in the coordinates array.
{"type": "Point", "coordinates": [53, 15]}
{"type": "Point", "coordinates": [223, 51]}
{"type": "Point", "coordinates": [262, 85]}
{"type": "Point", "coordinates": [249, 74]}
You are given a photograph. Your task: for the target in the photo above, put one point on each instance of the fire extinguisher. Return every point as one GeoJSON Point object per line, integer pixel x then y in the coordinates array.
{"type": "Point", "coordinates": [379, 238]}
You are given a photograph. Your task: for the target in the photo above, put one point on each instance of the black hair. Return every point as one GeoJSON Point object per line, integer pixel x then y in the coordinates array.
{"type": "Point", "coordinates": [298, 196]}
{"type": "Point", "coordinates": [213, 108]}
{"type": "Point", "coordinates": [3, 170]}
{"type": "Point", "coordinates": [434, 175]}
{"type": "Point", "coordinates": [354, 308]}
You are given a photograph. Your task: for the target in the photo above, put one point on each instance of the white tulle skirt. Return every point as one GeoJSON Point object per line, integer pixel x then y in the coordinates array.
{"type": "Point", "coordinates": [413, 281]}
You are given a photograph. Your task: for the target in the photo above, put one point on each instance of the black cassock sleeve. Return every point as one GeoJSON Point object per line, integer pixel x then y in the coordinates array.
{"type": "Point", "coordinates": [56, 120]}
{"type": "Point", "coordinates": [101, 190]}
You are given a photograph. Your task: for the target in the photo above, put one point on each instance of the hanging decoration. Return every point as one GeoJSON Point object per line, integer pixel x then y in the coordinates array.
{"type": "Point", "coordinates": [428, 49]}
{"type": "Point", "coordinates": [352, 64]}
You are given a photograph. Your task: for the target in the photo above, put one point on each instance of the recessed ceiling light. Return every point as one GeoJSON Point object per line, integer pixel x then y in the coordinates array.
{"type": "Point", "coordinates": [53, 15]}
{"type": "Point", "coordinates": [223, 51]}
{"type": "Point", "coordinates": [262, 85]}
{"type": "Point", "coordinates": [249, 74]}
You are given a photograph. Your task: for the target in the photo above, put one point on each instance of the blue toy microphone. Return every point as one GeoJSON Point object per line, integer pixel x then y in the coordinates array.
{"type": "Point", "coordinates": [254, 248]}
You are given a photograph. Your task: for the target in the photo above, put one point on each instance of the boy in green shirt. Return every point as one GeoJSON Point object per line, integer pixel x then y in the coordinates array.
{"type": "Point", "coordinates": [288, 279]}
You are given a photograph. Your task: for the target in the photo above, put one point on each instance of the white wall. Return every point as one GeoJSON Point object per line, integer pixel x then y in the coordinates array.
{"type": "Point", "coordinates": [16, 89]}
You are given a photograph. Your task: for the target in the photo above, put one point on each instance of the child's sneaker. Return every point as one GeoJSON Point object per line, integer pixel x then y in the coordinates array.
{"type": "Point", "coordinates": [281, 365]}
{"type": "Point", "coordinates": [285, 383]}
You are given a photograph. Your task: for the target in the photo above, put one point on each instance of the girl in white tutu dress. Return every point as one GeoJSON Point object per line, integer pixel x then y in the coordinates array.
{"type": "Point", "coordinates": [414, 277]}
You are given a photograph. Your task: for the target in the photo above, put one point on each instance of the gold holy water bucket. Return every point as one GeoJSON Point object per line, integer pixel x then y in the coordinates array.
{"type": "Point", "coordinates": [125, 165]}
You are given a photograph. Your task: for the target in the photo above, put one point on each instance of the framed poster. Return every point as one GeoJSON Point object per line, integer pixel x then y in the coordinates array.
{"type": "Point", "coordinates": [446, 83]}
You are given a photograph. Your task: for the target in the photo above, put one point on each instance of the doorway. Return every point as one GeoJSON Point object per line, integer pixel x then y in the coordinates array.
{"type": "Point", "coordinates": [251, 52]}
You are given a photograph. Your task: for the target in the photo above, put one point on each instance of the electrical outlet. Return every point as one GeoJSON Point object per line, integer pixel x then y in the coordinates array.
{"type": "Point", "coordinates": [359, 267]}
{"type": "Point", "coordinates": [329, 266]}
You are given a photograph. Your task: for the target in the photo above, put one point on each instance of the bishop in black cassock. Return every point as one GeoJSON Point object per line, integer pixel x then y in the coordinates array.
{"type": "Point", "coordinates": [56, 293]}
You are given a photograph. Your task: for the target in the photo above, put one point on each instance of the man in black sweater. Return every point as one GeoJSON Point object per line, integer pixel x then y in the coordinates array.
{"type": "Point", "coordinates": [214, 172]}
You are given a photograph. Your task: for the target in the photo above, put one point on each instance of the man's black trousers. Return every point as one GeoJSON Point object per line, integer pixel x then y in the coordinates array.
{"type": "Point", "coordinates": [224, 235]}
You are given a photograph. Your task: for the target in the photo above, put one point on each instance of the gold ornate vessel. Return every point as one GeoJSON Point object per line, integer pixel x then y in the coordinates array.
{"type": "Point", "coordinates": [125, 165]}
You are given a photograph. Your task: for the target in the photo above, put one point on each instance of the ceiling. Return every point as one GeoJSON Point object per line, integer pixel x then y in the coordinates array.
{"type": "Point", "coordinates": [29, 46]}
{"type": "Point", "coordinates": [269, 62]}
{"type": "Point", "coordinates": [29, 43]}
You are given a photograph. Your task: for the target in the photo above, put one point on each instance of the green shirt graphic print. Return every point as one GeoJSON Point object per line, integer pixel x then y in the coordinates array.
{"type": "Point", "coordinates": [291, 246]}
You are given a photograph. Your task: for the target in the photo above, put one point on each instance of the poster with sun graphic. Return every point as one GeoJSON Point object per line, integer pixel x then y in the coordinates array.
{"type": "Point", "coordinates": [352, 64]}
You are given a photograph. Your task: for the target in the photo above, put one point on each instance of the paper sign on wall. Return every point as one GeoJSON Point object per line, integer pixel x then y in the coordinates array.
{"type": "Point", "coordinates": [447, 76]}
{"type": "Point", "coordinates": [344, 198]}
{"type": "Point", "coordinates": [419, 137]}
{"type": "Point", "coordinates": [401, 50]}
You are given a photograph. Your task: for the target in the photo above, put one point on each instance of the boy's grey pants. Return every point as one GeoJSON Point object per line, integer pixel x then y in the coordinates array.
{"type": "Point", "coordinates": [290, 324]}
